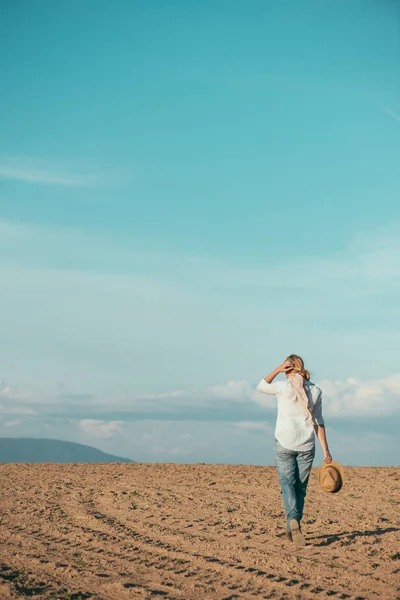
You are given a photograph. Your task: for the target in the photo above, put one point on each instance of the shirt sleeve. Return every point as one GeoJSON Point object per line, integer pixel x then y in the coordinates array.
{"type": "Point", "coordinates": [317, 412]}
{"type": "Point", "coordinates": [270, 388]}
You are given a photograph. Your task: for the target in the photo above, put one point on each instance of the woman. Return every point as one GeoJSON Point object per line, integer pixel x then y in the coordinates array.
{"type": "Point", "coordinates": [299, 415]}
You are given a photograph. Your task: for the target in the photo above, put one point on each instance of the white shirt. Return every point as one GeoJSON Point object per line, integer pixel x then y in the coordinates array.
{"type": "Point", "coordinates": [293, 430]}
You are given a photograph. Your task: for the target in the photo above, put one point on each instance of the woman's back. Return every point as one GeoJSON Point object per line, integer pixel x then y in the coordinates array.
{"type": "Point", "coordinates": [294, 430]}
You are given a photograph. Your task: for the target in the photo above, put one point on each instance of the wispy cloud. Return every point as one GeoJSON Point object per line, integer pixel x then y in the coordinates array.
{"type": "Point", "coordinates": [254, 425]}
{"type": "Point", "coordinates": [234, 390]}
{"type": "Point", "coordinates": [45, 177]}
{"type": "Point", "coordinates": [16, 410]}
{"type": "Point", "coordinates": [101, 429]}
{"type": "Point", "coordinates": [12, 423]}
{"type": "Point", "coordinates": [58, 286]}
{"type": "Point", "coordinates": [234, 401]}
{"type": "Point", "coordinates": [50, 172]}
{"type": "Point", "coordinates": [391, 113]}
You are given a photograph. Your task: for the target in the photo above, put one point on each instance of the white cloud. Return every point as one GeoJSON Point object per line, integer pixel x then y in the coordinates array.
{"type": "Point", "coordinates": [164, 450]}
{"type": "Point", "coordinates": [163, 395]}
{"type": "Point", "coordinates": [40, 177]}
{"type": "Point", "coordinates": [50, 172]}
{"type": "Point", "coordinates": [234, 390]}
{"type": "Point", "coordinates": [364, 398]}
{"type": "Point", "coordinates": [12, 394]}
{"type": "Point", "coordinates": [101, 429]}
{"type": "Point", "coordinates": [254, 425]}
{"type": "Point", "coordinates": [241, 391]}
{"type": "Point", "coordinates": [11, 409]}
{"type": "Point", "coordinates": [5, 389]}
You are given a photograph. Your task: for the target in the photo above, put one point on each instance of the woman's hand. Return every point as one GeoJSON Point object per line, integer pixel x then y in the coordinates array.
{"type": "Point", "coordinates": [285, 367]}
{"type": "Point", "coordinates": [327, 457]}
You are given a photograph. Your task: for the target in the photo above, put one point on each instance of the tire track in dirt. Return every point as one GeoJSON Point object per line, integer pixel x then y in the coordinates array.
{"type": "Point", "coordinates": [306, 586]}
{"type": "Point", "coordinates": [149, 553]}
{"type": "Point", "coordinates": [22, 582]}
{"type": "Point", "coordinates": [33, 579]}
{"type": "Point", "coordinates": [54, 551]}
{"type": "Point", "coordinates": [41, 559]}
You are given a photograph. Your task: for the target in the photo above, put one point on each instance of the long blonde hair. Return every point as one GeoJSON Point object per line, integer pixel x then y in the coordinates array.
{"type": "Point", "coordinates": [298, 364]}
{"type": "Point", "coordinates": [297, 377]}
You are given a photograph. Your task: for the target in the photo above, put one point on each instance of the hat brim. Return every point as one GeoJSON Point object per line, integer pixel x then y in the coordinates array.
{"type": "Point", "coordinates": [338, 467]}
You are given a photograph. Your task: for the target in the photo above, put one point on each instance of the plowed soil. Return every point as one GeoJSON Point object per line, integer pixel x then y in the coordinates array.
{"type": "Point", "coordinates": [193, 532]}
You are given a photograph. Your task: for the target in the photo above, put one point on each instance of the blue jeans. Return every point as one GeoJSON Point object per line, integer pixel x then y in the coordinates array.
{"type": "Point", "coordinates": [293, 472]}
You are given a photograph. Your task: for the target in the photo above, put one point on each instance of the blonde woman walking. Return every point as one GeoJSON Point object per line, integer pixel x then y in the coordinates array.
{"type": "Point", "coordinates": [299, 416]}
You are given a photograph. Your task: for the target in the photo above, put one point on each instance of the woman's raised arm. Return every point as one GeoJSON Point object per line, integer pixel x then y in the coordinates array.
{"type": "Point", "coordinates": [285, 367]}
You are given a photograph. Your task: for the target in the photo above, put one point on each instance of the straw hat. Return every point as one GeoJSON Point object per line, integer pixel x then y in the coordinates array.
{"type": "Point", "coordinates": [331, 477]}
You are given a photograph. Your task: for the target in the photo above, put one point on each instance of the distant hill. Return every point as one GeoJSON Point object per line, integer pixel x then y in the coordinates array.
{"type": "Point", "coordinates": [32, 450]}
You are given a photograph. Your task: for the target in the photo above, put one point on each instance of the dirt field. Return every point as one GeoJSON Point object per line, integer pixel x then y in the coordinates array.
{"type": "Point", "coordinates": [193, 532]}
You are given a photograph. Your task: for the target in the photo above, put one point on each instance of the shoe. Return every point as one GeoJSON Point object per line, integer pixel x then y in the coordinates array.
{"type": "Point", "coordinates": [289, 536]}
{"type": "Point", "coordinates": [297, 536]}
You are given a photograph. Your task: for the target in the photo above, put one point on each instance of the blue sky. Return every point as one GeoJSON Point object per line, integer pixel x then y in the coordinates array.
{"type": "Point", "coordinates": [188, 193]}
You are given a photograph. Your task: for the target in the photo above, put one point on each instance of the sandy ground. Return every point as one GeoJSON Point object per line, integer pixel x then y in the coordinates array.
{"type": "Point", "coordinates": [193, 532]}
